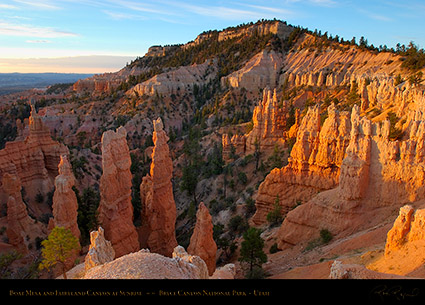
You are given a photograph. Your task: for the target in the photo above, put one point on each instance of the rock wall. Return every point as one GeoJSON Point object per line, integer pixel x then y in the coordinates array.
{"type": "Point", "coordinates": [34, 159]}
{"type": "Point", "coordinates": [115, 208]}
{"type": "Point", "coordinates": [313, 166]}
{"type": "Point", "coordinates": [158, 206]}
{"type": "Point", "coordinates": [262, 70]}
{"type": "Point", "coordinates": [177, 81]}
{"type": "Point", "coordinates": [377, 176]}
{"type": "Point", "coordinates": [269, 123]}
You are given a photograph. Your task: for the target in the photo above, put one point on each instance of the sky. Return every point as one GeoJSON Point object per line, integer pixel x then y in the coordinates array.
{"type": "Point", "coordinates": [93, 36]}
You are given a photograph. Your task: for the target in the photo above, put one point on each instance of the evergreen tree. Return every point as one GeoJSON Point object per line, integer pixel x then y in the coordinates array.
{"type": "Point", "coordinates": [252, 252]}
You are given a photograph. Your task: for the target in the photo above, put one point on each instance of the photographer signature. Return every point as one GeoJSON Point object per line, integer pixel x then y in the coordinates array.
{"type": "Point", "coordinates": [395, 292]}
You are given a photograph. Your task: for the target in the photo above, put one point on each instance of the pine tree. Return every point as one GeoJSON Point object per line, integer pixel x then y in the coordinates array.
{"type": "Point", "coordinates": [252, 252]}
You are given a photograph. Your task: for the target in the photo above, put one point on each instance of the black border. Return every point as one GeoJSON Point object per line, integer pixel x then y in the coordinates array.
{"type": "Point", "coordinates": [292, 291]}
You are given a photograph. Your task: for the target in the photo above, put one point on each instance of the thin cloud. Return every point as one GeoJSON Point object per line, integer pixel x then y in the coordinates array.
{"type": "Point", "coordinates": [223, 12]}
{"type": "Point", "coordinates": [123, 16]}
{"type": "Point", "coordinates": [26, 30]}
{"type": "Point", "coordinates": [270, 9]}
{"type": "Point", "coordinates": [38, 41]}
{"type": "Point", "coordinates": [142, 7]}
{"type": "Point", "coordinates": [374, 16]}
{"type": "Point", "coordinates": [323, 2]}
{"type": "Point", "coordinates": [8, 7]}
{"type": "Point", "coordinates": [44, 5]}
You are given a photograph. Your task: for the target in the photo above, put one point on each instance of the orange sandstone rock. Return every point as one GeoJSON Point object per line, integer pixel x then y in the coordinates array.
{"type": "Point", "coordinates": [115, 208]}
{"type": "Point", "coordinates": [313, 166]}
{"type": "Point", "coordinates": [159, 209]}
{"type": "Point", "coordinates": [65, 203]}
{"type": "Point", "coordinates": [408, 227]}
{"type": "Point", "coordinates": [18, 221]}
{"type": "Point", "coordinates": [34, 159]}
{"type": "Point", "coordinates": [202, 242]}
{"type": "Point", "coordinates": [269, 119]}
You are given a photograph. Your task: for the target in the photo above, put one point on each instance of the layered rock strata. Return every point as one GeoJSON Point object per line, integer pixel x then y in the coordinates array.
{"type": "Point", "coordinates": [158, 206]}
{"type": "Point", "coordinates": [178, 81]}
{"type": "Point", "coordinates": [269, 124]}
{"type": "Point", "coordinates": [33, 158]}
{"type": "Point", "coordinates": [202, 243]}
{"type": "Point", "coordinates": [313, 166]}
{"type": "Point", "coordinates": [262, 70]}
{"type": "Point", "coordinates": [376, 175]}
{"type": "Point", "coordinates": [115, 208]}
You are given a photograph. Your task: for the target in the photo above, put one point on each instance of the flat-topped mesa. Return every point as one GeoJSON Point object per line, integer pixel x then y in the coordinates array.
{"type": "Point", "coordinates": [65, 203]}
{"type": "Point", "coordinates": [269, 119]}
{"type": "Point", "coordinates": [18, 221]}
{"type": "Point", "coordinates": [156, 191]}
{"type": "Point", "coordinates": [314, 163]}
{"type": "Point", "coordinates": [115, 208]}
{"type": "Point", "coordinates": [202, 242]}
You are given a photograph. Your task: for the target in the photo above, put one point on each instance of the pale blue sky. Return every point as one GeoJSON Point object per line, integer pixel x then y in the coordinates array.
{"type": "Point", "coordinates": [126, 28]}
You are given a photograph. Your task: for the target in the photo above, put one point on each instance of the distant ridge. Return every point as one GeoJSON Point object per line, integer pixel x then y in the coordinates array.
{"type": "Point", "coordinates": [15, 82]}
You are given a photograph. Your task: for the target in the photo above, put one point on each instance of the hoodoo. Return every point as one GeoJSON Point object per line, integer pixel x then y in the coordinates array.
{"type": "Point", "coordinates": [156, 190]}
{"type": "Point", "coordinates": [115, 208]}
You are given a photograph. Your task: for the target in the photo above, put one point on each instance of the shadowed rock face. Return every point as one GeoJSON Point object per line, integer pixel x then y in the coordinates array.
{"type": "Point", "coordinates": [202, 242]}
{"type": "Point", "coordinates": [33, 157]}
{"type": "Point", "coordinates": [156, 189]}
{"type": "Point", "coordinates": [18, 221]}
{"type": "Point", "coordinates": [115, 208]}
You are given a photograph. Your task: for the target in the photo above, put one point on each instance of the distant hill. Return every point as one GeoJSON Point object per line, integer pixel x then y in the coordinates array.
{"type": "Point", "coordinates": [15, 82]}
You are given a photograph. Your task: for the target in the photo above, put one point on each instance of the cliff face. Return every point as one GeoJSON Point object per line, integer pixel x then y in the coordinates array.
{"type": "Point", "coordinates": [177, 81]}
{"type": "Point", "coordinates": [115, 208]}
{"type": "Point", "coordinates": [263, 70]}
{"type": "Point", "coordinates": [159, 208]}
{"type": "Point", "coordinates": [377, 174]}
{"type": "Point", "coordinates": [33, 159]}
{"type": "Point", "coordinates": [313, 166]}
{"type": "Point", "coordinates": [269, 124]}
